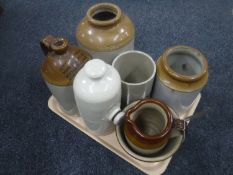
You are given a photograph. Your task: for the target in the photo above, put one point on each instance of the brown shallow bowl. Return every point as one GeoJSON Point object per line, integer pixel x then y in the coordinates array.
{"type": "Point", "coordinates": [173, 144]}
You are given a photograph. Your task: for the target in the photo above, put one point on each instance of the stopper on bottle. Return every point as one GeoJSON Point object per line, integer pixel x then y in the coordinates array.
{"type": "Point", "coordinates": [95, 68]}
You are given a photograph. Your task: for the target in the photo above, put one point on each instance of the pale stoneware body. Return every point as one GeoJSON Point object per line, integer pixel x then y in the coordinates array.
{"type": "Point", "coordinates": [109, 56]}
{"type": "Point", "coordinates": [65, 96]}
{"type": "Point", "coordinates": [179, 101]}
{"type": "Point", "coordinates": [97, 90]}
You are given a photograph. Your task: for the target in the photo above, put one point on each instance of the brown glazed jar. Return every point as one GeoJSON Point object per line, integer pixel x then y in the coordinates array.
{"type": "Point", "coordinates": [182, 72]}
{"type": "Point", "coordinates": [105, 32]}
{"type": "Point", "coordinates": [59, 68]}
{"type": "Point", "coordinates": [147, 126]}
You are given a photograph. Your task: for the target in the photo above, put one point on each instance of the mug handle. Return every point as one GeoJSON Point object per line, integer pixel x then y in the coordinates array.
{"type": "Point", "coordinates": [181, 126]}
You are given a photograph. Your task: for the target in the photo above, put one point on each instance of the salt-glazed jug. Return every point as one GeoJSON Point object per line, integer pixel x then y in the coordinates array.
{"type": "Point", "coordinates": [182, 72]}
{"type": "Point", "coordinates": [59, 68]}
{"type": "Point", "coordinates": [97, 91]}
{"type": "Point", "coordinates": [105, 32]}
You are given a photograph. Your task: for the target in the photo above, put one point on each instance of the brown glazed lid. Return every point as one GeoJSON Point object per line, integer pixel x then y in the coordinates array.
{"type": "Point", "coordinates": [133, 130]}
{"type": "Point", "coordinates": [179, 82]}
{"type": "Point", "coordinates": [105, 28]}
{"type": "Point", "coordinates": [62, 61]}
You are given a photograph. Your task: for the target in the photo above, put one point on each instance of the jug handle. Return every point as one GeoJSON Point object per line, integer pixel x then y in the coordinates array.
{"type": "Point", "coordinates": [45, 43]}
{"type": "Point", "coordinates": [181, 124]}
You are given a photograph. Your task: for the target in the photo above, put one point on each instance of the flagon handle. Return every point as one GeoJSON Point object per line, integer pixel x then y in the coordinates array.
{"type": "Point", "coordinates": [51, 43]}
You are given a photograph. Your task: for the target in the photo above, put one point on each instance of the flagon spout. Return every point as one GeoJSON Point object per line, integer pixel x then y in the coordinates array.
{"type": "Point", "coordinates": [45, 43]}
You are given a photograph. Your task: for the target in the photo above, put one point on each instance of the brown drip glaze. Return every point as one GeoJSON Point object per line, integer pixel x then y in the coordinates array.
{"type": "Point", "coordinates": [179, 82]}
{"type": "Point", "coordinates": [105, 35]}
{"type": "Point", "coordinates": [144, 145]}
{"type": "Point", "coordinates": [140, 139]}
{"type": "Point", "coordinates": [178, 76]}
{"type": "Point", "coordinates": [62, 62]}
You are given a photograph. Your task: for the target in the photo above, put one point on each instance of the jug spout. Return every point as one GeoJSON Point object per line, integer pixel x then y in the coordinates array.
{"type": "Point", "coordinates": [46, 42]}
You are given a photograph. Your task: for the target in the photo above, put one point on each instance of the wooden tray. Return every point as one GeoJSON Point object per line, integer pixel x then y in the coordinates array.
{"type": "Point", "coordinates": [110, 141]}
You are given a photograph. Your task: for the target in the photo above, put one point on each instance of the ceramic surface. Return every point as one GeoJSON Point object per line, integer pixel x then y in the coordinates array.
{"type": "Point", "coordinates": [105, 32]}
{"type": "Point", "coordinates": [182, 72]}
{"type": "Point", "coordinates": [65, 96]}
{"type": "Point", "coordinates": [58, 69]}
{"type": "Point", "coordinates": [173, 144]}
{"type": "Point", "coordinates": [109, 56]}
{"type": "Point", "coordinates": [147, 126]}
{"type": "Point", "coordinates": [180, 101]}
{"type": "Point", "coordinates": [137, 70]}
{"type": "Point", "coordinates": [97, 90]}
{"type": "Point", "coordinates": [62, 61]}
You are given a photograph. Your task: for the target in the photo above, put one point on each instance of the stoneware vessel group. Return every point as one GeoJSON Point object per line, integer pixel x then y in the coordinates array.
{"type": "Point", "coordinates": [116, 88]}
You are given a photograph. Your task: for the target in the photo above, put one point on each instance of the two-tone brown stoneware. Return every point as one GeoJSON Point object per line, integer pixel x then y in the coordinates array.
{"type": "Point", "coordinates": [182, 72]}
{"type": "Point", "coordinates": [105, 32]}
{"type": "Point", "coordinates": [147, 126]}
{"type": "Point", "coordinates": [59, 68]}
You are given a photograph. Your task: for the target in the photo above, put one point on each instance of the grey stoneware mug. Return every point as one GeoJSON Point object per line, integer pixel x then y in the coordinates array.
{"type": "Point", "coordinates": [137, 71]}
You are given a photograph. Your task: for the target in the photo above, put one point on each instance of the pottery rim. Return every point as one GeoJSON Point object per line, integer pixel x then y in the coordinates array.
{"type": "Point", "coordinates": [59, 44]}
{"type": "Point", "coordinates": [109, 7]}
{"type": "Point", "coordinates": [105, 28]}
{"type": "Point", "coordinates": [144, 54]}
{"type": "Point", "coordinates": [146, 138]}
{"type": "Point", "coordinates": [192, 51]}
{"type": "Point", "coordinates": [180, 84]}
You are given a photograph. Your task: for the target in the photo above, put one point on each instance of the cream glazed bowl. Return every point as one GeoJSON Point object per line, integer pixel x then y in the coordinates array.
{"type": "Point", "coordinates": [172, 146]}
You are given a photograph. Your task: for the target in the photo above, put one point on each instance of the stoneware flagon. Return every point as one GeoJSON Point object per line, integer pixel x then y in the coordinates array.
{"type": "Point", "coordinates": [182, 72]}
{"type": "Point", "coordinates": [105, 32]}
{"type": "Point", "coordinates": [58, 69]}
{"type": "Point", "coordinates": [97, 90]}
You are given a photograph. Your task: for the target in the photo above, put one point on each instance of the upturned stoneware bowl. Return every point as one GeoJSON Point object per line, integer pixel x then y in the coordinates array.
{"type": "Point", "coordinates": [147, 126]}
